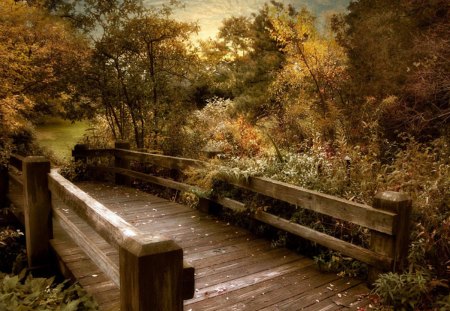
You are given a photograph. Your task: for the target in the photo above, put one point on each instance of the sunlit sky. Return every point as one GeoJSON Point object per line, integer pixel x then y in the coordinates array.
{"type": "Point", "coordinates": [210, 13]}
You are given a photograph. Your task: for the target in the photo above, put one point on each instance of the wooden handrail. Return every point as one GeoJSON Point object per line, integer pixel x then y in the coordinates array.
{"type": "Point", "coordinates": [384, 223]}
{"type": "Point", "coordinates": [359, 214]}
{"type": "Point", "coordinates": [151, 270]}
{"type": "Point", "coordinates": [141, 256]}
{"type": "Point", "coordinates": [16, 160]}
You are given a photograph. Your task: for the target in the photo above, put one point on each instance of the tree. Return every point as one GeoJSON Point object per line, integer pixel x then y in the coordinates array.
{"type": "Point", "coordinates": [308, 87]}
{"type": "Point", "coordinates": [41, 58]}
{"type": "Point", "coordinates": [398, 49]}
{"type": "Point", "coordinates": [143, 63]}
{"type": "Point", "coordinates": [243, 62]}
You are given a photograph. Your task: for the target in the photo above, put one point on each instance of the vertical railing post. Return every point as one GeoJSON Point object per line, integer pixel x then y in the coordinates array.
{"type": "Point", "coordinates": [396, 245]}
{"type": "Point", "coordinates": [151, 279]}
{"type": "Point", "coordinates": [38, 227]}
{"type": "Point", "coordinates": [121, 163]}
{"type": "Point", "coordinates": [4, 185]}
{"type": "Point", "coordinates": [76, 152]}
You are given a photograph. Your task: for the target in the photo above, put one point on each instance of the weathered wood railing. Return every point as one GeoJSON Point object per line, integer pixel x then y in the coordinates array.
{"type": "Point", "coordinates": [388, 220]}
{"type": "Point", "coordinates": [151, 273]}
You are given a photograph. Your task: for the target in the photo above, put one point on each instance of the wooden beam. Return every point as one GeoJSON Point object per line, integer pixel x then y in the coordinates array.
{"type": "Point", "coordinates": [157, 159]}
{"type": "Point", "coordinates": [122, 163]}
{"type": "Point", "coordinates": [4, 186]}
{"type": "Point", "coordinates": [95, 254]}
{"type": "Point", "coordinates": [234, 205]}
{"type": "Point", "coordinates": [395, 246]}
{"type": "Point", "coordinates": [16, 178]}
{"type": "Point", "coordinates": [106, 223]}
{"type": "Point", "coordinates": [80, 153]}
{"type": "Point", "coordinates": [151, 281]}
{"type": "Point", "coordinates": [37, 206]}
{"type": "Point", "coordinates": [135, 247]}
{"type": "Point", "coordinates": [346, 248]}
{"type": "Point", "coordinates": [16, 161]}
{"type": "Point", "coordinates": [360, 214]}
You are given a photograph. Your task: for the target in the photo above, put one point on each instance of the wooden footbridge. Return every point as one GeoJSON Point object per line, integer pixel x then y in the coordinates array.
{"type": "Point", "coordinates": [134, 251]}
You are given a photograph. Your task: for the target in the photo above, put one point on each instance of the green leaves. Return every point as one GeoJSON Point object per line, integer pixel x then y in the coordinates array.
{"type": "Point", "coordinates": [42, 294]}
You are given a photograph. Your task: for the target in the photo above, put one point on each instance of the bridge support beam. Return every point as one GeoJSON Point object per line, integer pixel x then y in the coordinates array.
{"type": "Point", "coordinates": [4, 186]}
{"type": "Point", "coordinates": [396, 245]}
{"type": "Point", "coordinates": [122, 163]}
{"type": "Point", "coordinates": [151, 279]}
{"type": "Point", "coordinates": [37, 213]}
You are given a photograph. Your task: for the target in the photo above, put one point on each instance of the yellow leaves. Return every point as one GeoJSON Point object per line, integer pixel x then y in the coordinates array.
{"type": "Point", "coordinates": [12, 110]}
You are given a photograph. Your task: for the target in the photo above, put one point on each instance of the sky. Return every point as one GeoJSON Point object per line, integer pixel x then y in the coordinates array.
{"type": "Point", "coordinates": [210, 13]}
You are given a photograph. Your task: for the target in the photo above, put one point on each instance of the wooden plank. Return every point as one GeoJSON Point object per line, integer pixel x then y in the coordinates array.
{"type": "Point", "coordinates": [241, 266]}
{"type": "Point", "coordinates": [356, 213]}
{"type": "Point", "coordinates": [16, 161]}
{"type": "Point", "coordinates": [16, 178]}
{"type": "Point", "coordinates": [323, 239]}
{"type": "Point", "coordinates": [37, 207]}
{"type": "Point", "coordinates": [111, 227]}
{"type": "Point", "coordinates": [137, 249]}
{"type": "Point", "coordinates": [393, 246]}
{"type": "Point", "coordinates": [86, 153]}
{"type": "Point", "coordinates": [247, 280]}
{"type": "Point", "coordinates": [234, 205]}
{"type": "Point", "coordinates": [281, 285]}
{"type": "Point", "coordinates": [96, 255]}
{"type": "Point", "coordinates": [315, 293]}
{"type": "Point", "coordinates": [220, 253]}
{"type": "Point", "coordinates": [157, 159]}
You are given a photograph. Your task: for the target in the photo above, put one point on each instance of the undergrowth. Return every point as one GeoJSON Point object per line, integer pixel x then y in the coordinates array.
{"type": "Point", "coordinates": [20, 292]}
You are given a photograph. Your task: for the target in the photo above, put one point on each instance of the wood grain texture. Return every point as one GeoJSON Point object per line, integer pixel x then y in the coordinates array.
{"type": "Point", "coordinates": [234, 270]}
{"type": "Point", "coordinates": [346, 248]}
{"type": "Point", "coordinates": [86, 244]}
{"type": "Point", "coordinates": [157, 159]}
{"type": "Point", "coordinates": [37, 207]}
{"type": "Point", "coordinates": [363, 215]}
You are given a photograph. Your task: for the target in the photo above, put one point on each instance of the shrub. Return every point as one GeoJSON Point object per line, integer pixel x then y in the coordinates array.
{"type": "Point", "coordinates": [19, 293]}
{"type": "Point", "coordinates": [74, 171]}
{"type": "Point", "coordinates": [402, 291]}
{"type": "Point", "coordinates": [11, 248]}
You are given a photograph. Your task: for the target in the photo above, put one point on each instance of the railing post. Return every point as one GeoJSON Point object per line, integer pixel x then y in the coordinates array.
{"type": "Point", "coordinates": [122, 163]}
{"type": "Point", "coordinates": [4, 185]}
{"type": "Point", "coordinates": [79, 148]}
{"type": "Point", "coordinates": [395, 246]}
{"type": "Point", "coordinates": [152, 279]}
{"type": "Point", "coordinates": [38, 227]}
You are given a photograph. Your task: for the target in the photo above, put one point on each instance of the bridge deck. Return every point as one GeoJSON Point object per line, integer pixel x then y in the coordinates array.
{"type": "Point", "coordinates": [235, 270]}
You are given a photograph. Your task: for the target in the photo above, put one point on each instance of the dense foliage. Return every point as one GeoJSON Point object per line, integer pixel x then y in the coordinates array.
{"type": "Point", "coordinates": [19, 290]}
{"type": "Point", "coordinates": [41, 57]}
{"type": "Point", "coordinates": [27, 293]}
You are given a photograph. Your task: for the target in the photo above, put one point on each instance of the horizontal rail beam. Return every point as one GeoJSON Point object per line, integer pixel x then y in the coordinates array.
{"type": "Point", "coordinates": [80, 153]}
{"type": "Point", "coordinates": [148, 178]}
{"type": "Point", "coordinates": [158, 159]}
{"type": "Point", "coordinates": [16, 178]}
{"type": "Point", "coordinates": [16, 160]}
{"type": "Point", "coordinates": [356, 213]}
{"type": "Point", "coordinates": [107, 224]}
{"type": "Point", "coordinates": [105, 264]}
{"type": "Point", "coordinates": [346, 248]}
{"type": "Point", "coordinates": [114, 230]}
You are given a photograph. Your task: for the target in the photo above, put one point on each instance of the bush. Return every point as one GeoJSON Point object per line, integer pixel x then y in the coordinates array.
{"type": "Point", "coordinates": [74, 171]}
{"type": "Point", "coordinates": [12, 249]}
{"type": "Point", "coordinates": [20, 293]}
{"type": "Point", "coordinates": [410, 291]}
